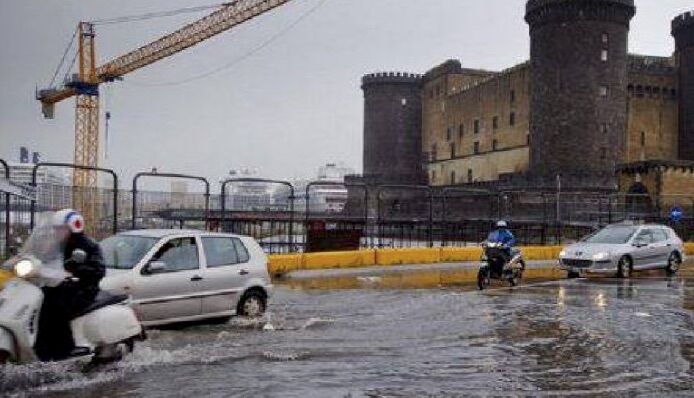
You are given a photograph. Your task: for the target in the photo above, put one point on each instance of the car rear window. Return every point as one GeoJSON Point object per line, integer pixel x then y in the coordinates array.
{"type": "Point", "coordinates": [221, 251]}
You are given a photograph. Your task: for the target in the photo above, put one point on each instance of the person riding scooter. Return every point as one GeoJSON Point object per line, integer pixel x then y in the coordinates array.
{"type": "Point", "coordinates": [64, 302]}
{"type": "Point", "coordinates": [502, 234]}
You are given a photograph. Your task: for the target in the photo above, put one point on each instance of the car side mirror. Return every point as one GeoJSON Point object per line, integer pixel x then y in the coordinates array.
{"type": "Point", "coordinates": [156, 267]}
{"type": "Point", "coordinates": [79, 256]}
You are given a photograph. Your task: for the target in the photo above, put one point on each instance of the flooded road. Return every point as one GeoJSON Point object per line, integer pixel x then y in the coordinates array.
{"type": "Point", "coordinates": [566, 338]}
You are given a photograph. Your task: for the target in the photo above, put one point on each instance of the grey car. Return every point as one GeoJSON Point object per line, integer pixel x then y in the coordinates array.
{"type": "Point", "coordinates": [178, 275]}
{"type": "Point", "coordinates": [621, 249]}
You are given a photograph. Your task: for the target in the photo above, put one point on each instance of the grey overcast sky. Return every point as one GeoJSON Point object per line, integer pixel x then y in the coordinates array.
{"type": "Point", "coordinates": [287, 108]}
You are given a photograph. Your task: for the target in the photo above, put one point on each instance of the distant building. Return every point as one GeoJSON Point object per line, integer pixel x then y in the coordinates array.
{"type": "Point", "coordinates": [250, 195]}
{"type": "Point", "coordinates": [21, 173]}
{"type": "Point", "coordinates": [324, 198]}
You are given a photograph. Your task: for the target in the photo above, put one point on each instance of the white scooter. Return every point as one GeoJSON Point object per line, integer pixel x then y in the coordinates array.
{"type": "Point", "coordinates": [105, 331]}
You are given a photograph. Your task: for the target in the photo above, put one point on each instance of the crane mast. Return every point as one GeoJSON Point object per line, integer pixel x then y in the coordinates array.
{"type": "Point", "coordinates": [84, 85]}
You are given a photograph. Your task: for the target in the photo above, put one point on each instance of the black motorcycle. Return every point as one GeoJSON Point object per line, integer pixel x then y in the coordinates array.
{"type": "Point", "coordinates": [496, 264]}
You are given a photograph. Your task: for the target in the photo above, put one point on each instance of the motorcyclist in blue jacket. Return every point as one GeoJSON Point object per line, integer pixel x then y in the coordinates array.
{"type": "Point", "coordinates": [502, 234]}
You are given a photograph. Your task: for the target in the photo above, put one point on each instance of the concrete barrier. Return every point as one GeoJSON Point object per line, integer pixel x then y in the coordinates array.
{"type": "Point", "coordinates": [408, 256]}
{"type": "Point", "coordinates": [458, 254]}
{"type": "Point", "coordinates": [353, 259]}
{"type": "Point", "coordinates": [284, 263]}
{"type": "Point", "coordinates": [279, 264]}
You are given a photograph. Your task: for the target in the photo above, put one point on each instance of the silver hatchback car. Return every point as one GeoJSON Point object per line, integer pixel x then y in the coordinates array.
{"type": "Point", "coordinates": [178, 275]}
{"type": "Point", "coordinates": [621, 249]}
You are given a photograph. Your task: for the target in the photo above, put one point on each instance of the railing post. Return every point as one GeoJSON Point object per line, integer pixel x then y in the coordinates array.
{"type": "Point", "coordinates": [7, 208]}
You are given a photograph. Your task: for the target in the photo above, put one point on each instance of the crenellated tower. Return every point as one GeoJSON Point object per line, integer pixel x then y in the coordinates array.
{"type": "Point", "coordinates": [392, 128]}
{"type": "Point", "coordinates": [683, 31]}
{"type": "Point", "coordinates": [578, 108]}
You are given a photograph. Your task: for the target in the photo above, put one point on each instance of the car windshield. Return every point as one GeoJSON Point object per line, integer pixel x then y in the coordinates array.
{"type": "Point", "coordinates": [612, 235]}
{"type": "Point", "coordinates": [123, 252]}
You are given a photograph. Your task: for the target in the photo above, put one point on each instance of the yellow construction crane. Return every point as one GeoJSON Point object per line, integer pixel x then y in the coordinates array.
{"type": "Point", "coordinates": [84, 85]}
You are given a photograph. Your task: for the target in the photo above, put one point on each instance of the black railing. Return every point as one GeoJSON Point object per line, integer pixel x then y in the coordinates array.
{"type": "Point", "coordinates": [365, 217]}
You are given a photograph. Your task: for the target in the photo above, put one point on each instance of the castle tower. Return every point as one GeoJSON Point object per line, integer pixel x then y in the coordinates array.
{"type": "Point", "coordinates": [683, 31]}
{"type": "Point", "coordinates": [578, 104]}
{"type": "Point", "coordinates": [392, 128]}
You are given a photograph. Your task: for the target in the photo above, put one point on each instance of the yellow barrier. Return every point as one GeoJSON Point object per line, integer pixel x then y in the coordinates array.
{"type": "Point", "coordinates": [408, 256]}
{"type": "Point", "coordinates": [537, 253]}
{"type": "Point", "coordinates": [689, 248]}
{"type": "Point", "coordinates": [283, 263]}
{"type": "Point", "coordinates": [456, 254]}
{"type": "Point", "coordinates": [4, 277]}
{"type": "Point", "coordinates": [353, 259]}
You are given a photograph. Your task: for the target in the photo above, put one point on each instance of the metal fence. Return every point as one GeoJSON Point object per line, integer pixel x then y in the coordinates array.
{"type": "Point", "coordinates": [328, 215]}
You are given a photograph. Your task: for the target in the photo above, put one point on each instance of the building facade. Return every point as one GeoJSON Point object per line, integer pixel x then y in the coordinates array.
{"type": "Point", "coordinates": [578, 110]}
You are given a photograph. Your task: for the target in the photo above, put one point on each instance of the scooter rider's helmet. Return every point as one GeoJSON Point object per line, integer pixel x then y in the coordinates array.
{"type": "Point", "coordinates": [501, 224]}
{"type": "Point", "coordinates": [69, 219]}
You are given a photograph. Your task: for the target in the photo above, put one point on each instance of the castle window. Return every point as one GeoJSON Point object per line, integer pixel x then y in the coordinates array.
{"type": "Point", "coordinates": [643, 138]}
{"type": "Point", "coordinates": [452, 177]}
{"type": "Point", "coordinates": [452, 151]}
{"type": "Point", "coordinates": [656, 91]}
{"type": "Point", "coordinates": [527, 139]}
{"type": "Point", "coordinates": [469, 175]}
{"type": "Point", "coordinates": [512, 119]}
{"type": "Point", "coordinates": [649, 91]}
{"type": "Point", "coordinates": [433, 152]}
{"type": "Point", "coordinates": [431, 93]}
{"type": "Point", "coordinates": [604, 91]}
{"type": "Point", "coordinates": [513, 96]}
{"type": "Point", "coordinates": [476, 147]}
{"type": "Point", "coordinates": [495, 122]}
{"type": "Point", "coordinates": [630, 89]}
{"type": "Point", "coordinates": [673, 93]}
{"type": "Point", "coordinates": [433, 175]}
{"type": "Point", "coordinates": [495, 145]}
{"type": "Point", "coordinates": [461, 130]}
{"type": "Point", "coordinates": [603, 128]}
{"type": "Point", "coordinates": [603, 153]}
{"type": "Point", "coordinates": [477, 126]}
{"type": "Point", "coordinates": [603, 55]}
{"type": "Point", "coordinates": [605, 38]}
{"type": "Point", "coordinates": [639, 91]}
{"type": "Point", "coordinates": [448, 134]}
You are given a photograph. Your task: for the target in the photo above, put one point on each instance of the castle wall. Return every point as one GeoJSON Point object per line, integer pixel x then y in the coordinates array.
{"type": "Point", "coordinates": [392, 128]}
{"type": "Point", "coordinates": [683, 31]}
{"type": "Point", "coordinates": [477, 130]}
{"type": "Point", "coordinates": [578, 52]}
{"type": "Point", "coordinates": [652, 109]}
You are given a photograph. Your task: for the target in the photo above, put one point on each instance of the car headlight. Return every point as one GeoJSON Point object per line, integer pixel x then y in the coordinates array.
{"type": "Point", "coordinates": [562, 253]}
{"type": "Point", "coordinates": [24, 268]}
{"type": "Point", "coordinates": [601, 256]}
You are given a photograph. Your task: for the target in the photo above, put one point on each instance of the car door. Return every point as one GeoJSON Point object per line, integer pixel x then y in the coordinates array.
{"type": "Point", "coordinates": [662, 247]}
{"type": "Point", "coordinates": [225, 274]}
{"type": "Point", "coordinates": [174, 290]}
{"type": "Point", "coordinates": [643, 253]}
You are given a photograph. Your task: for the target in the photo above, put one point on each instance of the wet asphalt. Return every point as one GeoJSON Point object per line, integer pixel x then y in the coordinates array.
{"type": "Point", "coordinates": [414, 337]}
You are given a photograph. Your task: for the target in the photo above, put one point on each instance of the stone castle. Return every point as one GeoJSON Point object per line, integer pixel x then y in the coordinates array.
{"type": "Point", "coordinates": [582, 111]}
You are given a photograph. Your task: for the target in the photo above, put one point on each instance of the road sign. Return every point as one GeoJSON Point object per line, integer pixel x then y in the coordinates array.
{"type": "Point", "coordinates": [676, 214]}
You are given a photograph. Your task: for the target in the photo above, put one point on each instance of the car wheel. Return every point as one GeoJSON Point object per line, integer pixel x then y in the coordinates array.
{"type": "Point", "coordinates": [252, 304]}
{"type": "Point", "coordinates": [572, 275]}
{"type": "Point", "coordinates": [624, 268]}
{"type": "Point", "coordinates": [673, 263]}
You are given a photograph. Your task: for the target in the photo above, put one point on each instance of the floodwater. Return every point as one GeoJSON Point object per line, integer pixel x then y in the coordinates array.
{"type": "Point", "coordinates": [557, 338]}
